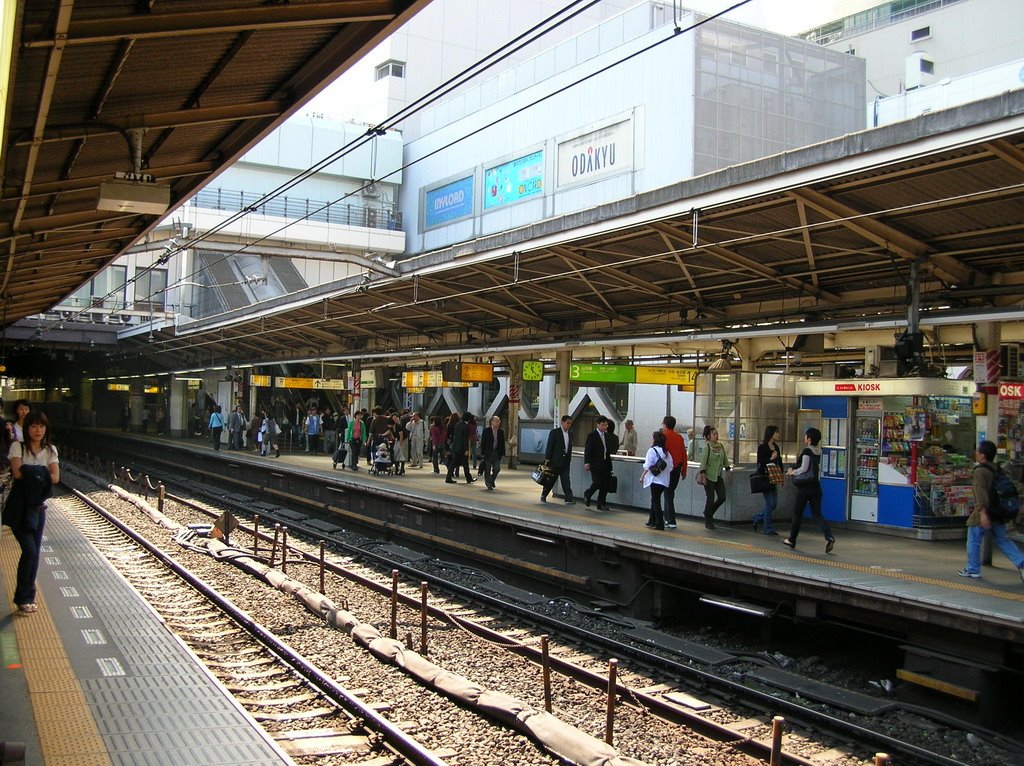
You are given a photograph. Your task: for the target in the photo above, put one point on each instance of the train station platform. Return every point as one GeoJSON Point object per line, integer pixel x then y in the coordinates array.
{"type": "Point", "coordinates": [873, 570]}
{"type": "Point", "coordinates": [94, 677]}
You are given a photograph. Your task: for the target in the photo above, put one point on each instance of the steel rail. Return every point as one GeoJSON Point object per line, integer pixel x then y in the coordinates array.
{"type": "Point", "coordinates": [394, 737]}
{"type": "Point", "coordinates": [669, 711]}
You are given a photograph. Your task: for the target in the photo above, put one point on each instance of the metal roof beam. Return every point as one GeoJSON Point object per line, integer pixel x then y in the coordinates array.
{"type": "Point", "coordinates": [150, 26]}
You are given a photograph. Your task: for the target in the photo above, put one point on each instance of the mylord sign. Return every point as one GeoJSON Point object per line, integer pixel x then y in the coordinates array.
{"type": "Point", "coordinates": [596, 154]}
{"type": "Point", "coordinates": [448, 202]}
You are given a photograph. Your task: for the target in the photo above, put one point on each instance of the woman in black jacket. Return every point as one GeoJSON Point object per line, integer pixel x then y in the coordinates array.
{"type": "Point", "coordinates": [35, 470]}
{"type": "Point", "coordinates": [768, 452]}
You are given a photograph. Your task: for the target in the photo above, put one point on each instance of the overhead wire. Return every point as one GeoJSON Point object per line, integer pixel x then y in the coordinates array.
{"type": "Point", "coordinates": [441, 90]}
{"type": "Point", "coordinates": [492, 59]}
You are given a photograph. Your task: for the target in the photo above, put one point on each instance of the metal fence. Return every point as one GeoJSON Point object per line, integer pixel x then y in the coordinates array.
{"type": "Point", "coordinates": [371, 216]}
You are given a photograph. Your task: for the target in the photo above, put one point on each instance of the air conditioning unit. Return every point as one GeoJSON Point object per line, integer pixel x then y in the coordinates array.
{"type": "Point", "coordinates": [371, 190]}
{"type": "Point", "coordinates": [1009, 354]}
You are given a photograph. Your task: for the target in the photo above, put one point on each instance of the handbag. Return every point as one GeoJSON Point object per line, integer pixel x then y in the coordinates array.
{"type": "Point", "coordinates": [760, 483]}
{"type": "Point", "coordinates": [775, 474]}
{"type": "Point", "coordinates": [542, 474]}
{"type": "Point", "coordinates": [658, 466]}
{"type": "Point", "coordinates": [702, 478]}
{"type": "Point", "coordinates": [805, 480]}
{"type": "Point", "coordinates": [613, 484]}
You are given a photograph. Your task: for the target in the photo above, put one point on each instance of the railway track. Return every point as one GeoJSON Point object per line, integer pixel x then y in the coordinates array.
{"type": "Point", "coordinates": [658, 695]}
{"type": "Point", "coordinates": [309, 715]}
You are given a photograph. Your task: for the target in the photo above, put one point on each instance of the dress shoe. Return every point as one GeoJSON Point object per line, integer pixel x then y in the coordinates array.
{"type": "Point", "coordinates": [773, 533]}
{"type": "Point", "coordinates": [788, 543]}
{"type": "Point", "coordinates": [709, 524]}
{"type": "Point", "coordinates": [570, 502]}
{"type": "Point", "coordinates": [602, 507]}
{"type": "Point", "coordinates": [543, 498]}
{"type": "Point", "coordinates": [586, 500]}
{"type": "Point", "coordinates": [450, 481]}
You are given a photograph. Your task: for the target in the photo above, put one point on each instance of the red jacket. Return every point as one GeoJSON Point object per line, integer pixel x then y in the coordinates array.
{"type": "Point", "coordinates": [676, 447]}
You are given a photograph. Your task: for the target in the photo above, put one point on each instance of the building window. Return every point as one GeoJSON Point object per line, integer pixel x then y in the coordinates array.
{"type": "Point", "coordinates": [920, 34]}
{"type": "Point", "coordinates": [390, 69]}
{"type": "Point", "coordinates": [105, 290]}
{"type": "Point", "coordinates": [927, 66]}
{"type": "Point", "coordinates": [149, 290]}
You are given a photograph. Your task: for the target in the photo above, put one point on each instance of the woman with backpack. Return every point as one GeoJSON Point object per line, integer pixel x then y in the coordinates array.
{"type": "Point", "coordinates": [656, 475]}
{"type": "Point", "coordinates": [34, 469]}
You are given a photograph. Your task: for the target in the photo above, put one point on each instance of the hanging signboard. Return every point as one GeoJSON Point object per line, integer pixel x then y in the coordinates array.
{"type": "Point", "coordinates": [447, 203]}
{"type": "Point", "coordinates": [315, 383]}
{"type": "Point", "coordinates": [602, 373]}
{"type": "Point", "coordinates": [467, 372]}
{"type": "Point", "coordinates": [260, 381]}
{"type": "Point", "coordinates": [422, 379]}
{"type": "Point", "coordinates": [684, 377]}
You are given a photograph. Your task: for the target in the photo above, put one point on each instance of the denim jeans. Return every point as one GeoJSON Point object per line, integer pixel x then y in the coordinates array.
{"type": "Point", "coordinates": [974, 537]}
{"type": "Point", "coordinates": [31, 541]}
{"type": "Point", "coordinates": [771, 502]}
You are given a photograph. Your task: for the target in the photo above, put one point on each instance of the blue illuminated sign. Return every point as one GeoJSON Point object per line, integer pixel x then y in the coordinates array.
{"type": "Point", "coordinates": [448, 203]}
{"type": "Point", "coordinates": [513, 181]}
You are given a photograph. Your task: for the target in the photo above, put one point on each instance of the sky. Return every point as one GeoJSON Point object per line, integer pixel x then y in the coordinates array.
{"type": "Point", "coordinates": [787, 17]}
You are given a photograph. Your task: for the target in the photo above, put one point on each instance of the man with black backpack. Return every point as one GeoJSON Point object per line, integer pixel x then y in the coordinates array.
{"type": "Point", "coordinates": [993, 508]}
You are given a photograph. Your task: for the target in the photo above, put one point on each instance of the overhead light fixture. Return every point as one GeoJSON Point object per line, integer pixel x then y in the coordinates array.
{"type": "Point", "coordinates": [134, 193]}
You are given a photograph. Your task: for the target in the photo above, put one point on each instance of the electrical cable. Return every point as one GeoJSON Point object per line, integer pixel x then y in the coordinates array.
{"type": "Point", "coordinates": [528, 37]}
{"type": "Point", "coordinates": [675, 32]}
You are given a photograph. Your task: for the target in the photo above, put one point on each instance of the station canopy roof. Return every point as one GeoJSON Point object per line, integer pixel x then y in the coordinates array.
{"type": "Point", "coordinates": [174, 90]}
{"type": "Point", "coordinates": [817, 240]}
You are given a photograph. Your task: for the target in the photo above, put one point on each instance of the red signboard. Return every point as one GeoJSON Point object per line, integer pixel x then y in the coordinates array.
{"type": "Point", "coordinates": [1011, 391]}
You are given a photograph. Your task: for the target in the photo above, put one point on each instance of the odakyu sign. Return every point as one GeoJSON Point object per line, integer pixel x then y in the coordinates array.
{"type": "Point", "coordinates": [598, 153]}
{"type": "Point", "coordinates": [514, 180]}
{"type": "Point", "coordinates": [448, 202]}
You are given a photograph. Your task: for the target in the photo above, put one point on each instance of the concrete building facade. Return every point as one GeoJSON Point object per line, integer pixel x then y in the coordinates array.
{"type": "Point", "coordinates": [625, 107]}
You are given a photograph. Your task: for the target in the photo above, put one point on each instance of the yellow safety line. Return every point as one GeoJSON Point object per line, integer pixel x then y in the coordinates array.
{"type": "Point", "coordinates": [67, 731]}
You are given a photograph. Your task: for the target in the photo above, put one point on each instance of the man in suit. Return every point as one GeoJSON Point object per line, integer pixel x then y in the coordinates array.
{"type": "Point", "coordinates": [460, 451]}
{"type": "Point", "coordinates": [558, 454]}
{"type": "Point", "coordinates": [492, 450]}
{"type": "Point", "coordinates": [597, 458]}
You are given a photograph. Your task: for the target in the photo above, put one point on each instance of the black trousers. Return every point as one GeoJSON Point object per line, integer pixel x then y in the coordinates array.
{"type": "Point", "coordinates": [598, 483]}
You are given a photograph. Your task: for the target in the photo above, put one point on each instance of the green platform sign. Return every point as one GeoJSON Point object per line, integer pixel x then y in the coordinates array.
{"type": "Point", "coordinates": [602, 373]}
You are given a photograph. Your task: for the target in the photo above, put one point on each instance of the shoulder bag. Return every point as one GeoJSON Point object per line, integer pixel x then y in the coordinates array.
{"type": "Point", "coordinates": [760, 483]}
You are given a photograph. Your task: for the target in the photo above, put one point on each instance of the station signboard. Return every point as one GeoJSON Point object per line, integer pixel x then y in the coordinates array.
{"type": "Point", "coordinates": [683, 377]}
{"type": "Point", "coordinates": [260, 381]}
{"type": "Point", "coordinates": [597, 153]}
{"type": "Point", "coordinates": [421, 379]}
{"type": "Point", "coordinates": [467, 372]}
{"type": "Point", "coordinates": [602, 373]}
{"type": "Point", "coordinates": [323, 384]}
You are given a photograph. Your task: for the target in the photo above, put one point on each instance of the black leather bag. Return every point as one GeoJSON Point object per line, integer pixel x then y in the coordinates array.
{"type": "Point", "coordinates": [760, 483]}
{"type": "Point", "coordinates": [613, 484]}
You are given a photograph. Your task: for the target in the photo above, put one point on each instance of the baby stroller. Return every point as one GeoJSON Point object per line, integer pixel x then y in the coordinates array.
{"type": "Point", "coordinates": [382, 464]}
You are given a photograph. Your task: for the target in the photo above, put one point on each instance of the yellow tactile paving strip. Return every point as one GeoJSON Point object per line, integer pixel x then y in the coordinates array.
{"type": "Point", "coordinates": [67, 731]}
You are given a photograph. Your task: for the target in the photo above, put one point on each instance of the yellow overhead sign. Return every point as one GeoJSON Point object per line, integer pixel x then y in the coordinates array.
{"type": "Point", "coordinates": [668, 376]}
{"type": "Point", "coordinates": [260, 380]}
{"type": "Point", "coordinates": [317, 383]}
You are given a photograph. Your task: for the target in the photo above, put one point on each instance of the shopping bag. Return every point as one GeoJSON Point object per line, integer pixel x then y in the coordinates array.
{"type": "Point", "coordinates": [775, 474]}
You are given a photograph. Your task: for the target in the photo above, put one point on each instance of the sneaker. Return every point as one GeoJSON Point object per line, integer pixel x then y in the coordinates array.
{"type": "Point", "coordinates": [670, 526]}
{"type": "Point", "coordinates": [788, 543]}
{"type": "Point", "coordinates": [830, 544]}
{"type": "Point", "coordinates": [28, 608]}
{"type": "Point", "coordinates": [965, 573]}
{"type": "Point", "coordinates": [570, 502]}
{"type": "Point", "coordinates": [543, 498]}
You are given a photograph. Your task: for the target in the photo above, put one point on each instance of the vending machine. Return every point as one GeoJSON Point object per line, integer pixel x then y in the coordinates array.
{"type": "Point", "coordinates": [867, 431]}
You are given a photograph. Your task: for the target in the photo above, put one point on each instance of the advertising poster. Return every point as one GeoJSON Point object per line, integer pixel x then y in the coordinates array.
{"type": "Point", "coordinates": [514, 181]}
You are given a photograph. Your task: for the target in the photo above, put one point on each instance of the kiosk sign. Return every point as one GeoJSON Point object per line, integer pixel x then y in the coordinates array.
{"type": "Point", "coordinates": [1011, 391]}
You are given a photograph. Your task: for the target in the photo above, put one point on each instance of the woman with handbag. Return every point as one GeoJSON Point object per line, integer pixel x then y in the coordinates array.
{"type": "Point", "coordinates": [714, 462]}
{"type": "Point", "coordinates": [769, 463]}
{"type": "Point", "coordinates": [656, 475]}
{"type": "Point", "coordinates": [808, 490]}
{"type": "Point", "coordinates": [35, 470]}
